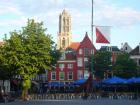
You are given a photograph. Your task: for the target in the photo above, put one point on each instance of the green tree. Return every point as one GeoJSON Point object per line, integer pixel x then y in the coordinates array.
{"type": "Point", "coordinates": [28, 52]}
{"type": "Point", "coordinates": [101, 62]}
{"type": "Point", "coordinates": [124, 66]}
{"type": "Point", "coordinates": [6, 70]}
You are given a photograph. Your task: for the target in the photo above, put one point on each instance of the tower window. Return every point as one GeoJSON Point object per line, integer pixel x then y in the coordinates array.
{"type": "Point", "coordinates": [63, 42]}
{"type": "Point", "coordinates": [64, 21]}
{"type": "Point", "coordinates": [67, 21]}
{"type": "Point", "coordinates": [64, 29]}
{"type": "Point", "coordinates": [67, 29]}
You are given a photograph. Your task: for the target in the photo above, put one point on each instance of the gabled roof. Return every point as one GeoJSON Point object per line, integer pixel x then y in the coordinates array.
{"type": "Point", "coordinates": [86, 43]}
{"type": "Point", "coordinates": [135, 51]}
{"type": "Point", "coordinates": [126, 47]}
{"type": "Point", "coordinates": [106, 48]}
{"type": "Point", "coordinates": [74, 45]}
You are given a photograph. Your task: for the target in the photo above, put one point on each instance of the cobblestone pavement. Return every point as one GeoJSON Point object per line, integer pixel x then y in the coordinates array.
{"type": "Point", "coordinates": [76, 102]}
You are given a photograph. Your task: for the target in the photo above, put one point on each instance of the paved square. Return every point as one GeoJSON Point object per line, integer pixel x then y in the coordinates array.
{"type": "Point", "coordinates": [76, 102]}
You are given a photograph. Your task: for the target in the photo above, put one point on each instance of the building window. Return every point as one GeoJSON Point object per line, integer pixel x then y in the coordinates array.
{"type": "Point", "coordinates": [85, 59]}
{"type": "Point", "coordinates": [86, 63]}
{"type": "Point", "coordinates": [80, 74]}
{"type": "Point", "coordinates": [70, 66]}
{"type": "Point", "coordinates": [62, 56]}
{"type": "Point", "coordinates": [125, 48]}
{"type": "Point", "coordinates": [92, 51]}
{"type": "Point", "coordinates": [70, 76]}
{"type": "Point", "coordinates": [53, 76]}
{"type": "Point", "coordinates": [86, 52]}
{"type": "Point", "coordinates": [86, 74]}
{"type": "Point", "coordinates": [111, 59]}
{"type": "Point", "coordinates": [80, 62]}
{"type": "Point", "coordinates": [109, 48]}
{"type": "Point", "coordinates": [80, 51]}
{"type": "Point", "coordinates": [61, 66]}
{"type": "Point", "coordinates": [61, 75]}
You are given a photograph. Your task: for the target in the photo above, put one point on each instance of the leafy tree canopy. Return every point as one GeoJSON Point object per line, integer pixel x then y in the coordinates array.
{"type": "Point", "coordinates": [101, 62]}
{"type": "Point", "coordinates": [29, 51]}
{"type": "Point", "coordinates": [124, 66]}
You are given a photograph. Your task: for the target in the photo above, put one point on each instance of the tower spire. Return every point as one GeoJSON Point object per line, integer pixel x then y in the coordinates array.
{"type": "Point", "coordinates": [64, 36]}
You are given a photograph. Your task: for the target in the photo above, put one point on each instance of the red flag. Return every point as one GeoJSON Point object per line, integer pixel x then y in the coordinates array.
{"type": "Point", "coordinates": [102, 34]}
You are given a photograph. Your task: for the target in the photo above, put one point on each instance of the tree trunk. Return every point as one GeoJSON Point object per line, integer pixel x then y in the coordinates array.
{"type": "Point", "coordinates": [25, 94]}
{"type": "Point", "coordinates": [26, 87]}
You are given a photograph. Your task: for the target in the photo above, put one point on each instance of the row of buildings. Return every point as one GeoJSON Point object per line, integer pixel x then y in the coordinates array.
{"type": "Point", "coordinates": [73, 63]}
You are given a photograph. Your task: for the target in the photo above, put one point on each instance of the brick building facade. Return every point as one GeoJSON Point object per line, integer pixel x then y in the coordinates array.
{"type": "Point", "coordinates": [73, 62]}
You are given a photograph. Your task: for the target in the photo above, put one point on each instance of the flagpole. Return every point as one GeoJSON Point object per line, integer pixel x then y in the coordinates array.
{"type": "Point", "coordinates": [92, 24]}
{"type": "Point", "coordinates": [92, 55]}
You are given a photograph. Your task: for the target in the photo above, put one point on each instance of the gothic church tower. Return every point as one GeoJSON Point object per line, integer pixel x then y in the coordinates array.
{"type": "Point", "coordinates": [64, 37]}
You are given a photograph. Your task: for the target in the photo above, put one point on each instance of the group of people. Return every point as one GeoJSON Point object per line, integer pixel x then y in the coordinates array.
{"type": "Point", "coordinates": [84, 96]}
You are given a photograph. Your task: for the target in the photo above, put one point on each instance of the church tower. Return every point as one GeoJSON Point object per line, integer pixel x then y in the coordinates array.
{"type": "Point", "coordinates": [64, 37]}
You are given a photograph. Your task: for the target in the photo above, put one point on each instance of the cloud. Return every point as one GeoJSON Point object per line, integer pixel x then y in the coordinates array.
{"type": "Point", "coordinates": [9, 9]}
{"type": "Point", "coordinates": [58, 2]}
{"type": "Point", "coordinates": [13, 23]}
{"type": "Point", "coordinates": [114, 14]}
{"type": "Point", "coordinates": [48, 11]}
{"type": "Point", "coordinates": [35, 7]}
{"type": "Point", "coordinates": [105, 13]}
{"type": "Point", "coordinates": [118, 17]}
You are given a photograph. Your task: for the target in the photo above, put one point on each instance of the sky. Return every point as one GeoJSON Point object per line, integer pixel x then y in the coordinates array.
{"type": "Point", "coordinates": [122, 15]}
